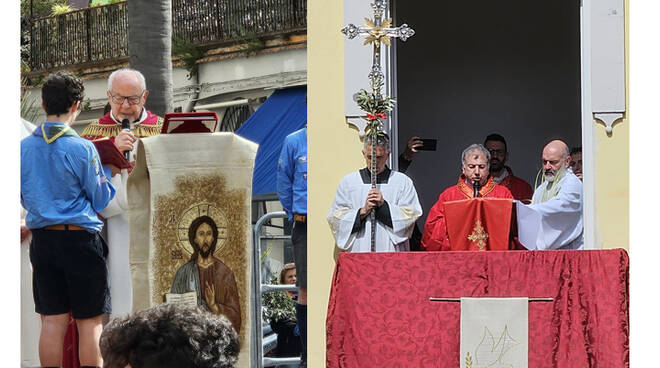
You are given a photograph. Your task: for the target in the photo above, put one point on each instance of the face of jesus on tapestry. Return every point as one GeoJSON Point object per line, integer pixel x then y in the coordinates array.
{"type": "Point", "coordinates": [476, 167]}
{"type": "Point", "coordinates": [204, 239]}
{"type": "Point", "coordinates": [381, 158]}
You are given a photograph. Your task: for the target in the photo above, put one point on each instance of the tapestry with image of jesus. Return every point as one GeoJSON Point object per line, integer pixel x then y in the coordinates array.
{"type": "Point", "coordinates": [190, 225]}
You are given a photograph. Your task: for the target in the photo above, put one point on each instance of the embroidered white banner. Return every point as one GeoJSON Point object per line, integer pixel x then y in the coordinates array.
{"type": "Point", "coordinates": [494, 332]}
{"type": "Point", "coordinates": [190, 225]}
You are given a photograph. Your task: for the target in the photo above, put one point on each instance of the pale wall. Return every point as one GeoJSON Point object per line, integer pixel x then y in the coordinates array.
{"type": "Point", "coordinates": [613, 172]}
{"type": "Point", "coordinates": [333, 150]}
{"type": "Point", "coordinates": [612, 186]}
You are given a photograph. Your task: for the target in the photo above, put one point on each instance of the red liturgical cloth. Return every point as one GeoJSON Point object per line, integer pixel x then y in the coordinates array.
{"type": "Point", "coordinates": [379, 314]}
{"type": "Point", "coordinates": [479, 223]}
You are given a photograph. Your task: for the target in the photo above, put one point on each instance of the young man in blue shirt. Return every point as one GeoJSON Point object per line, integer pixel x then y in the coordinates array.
{"type": "Point", "coordinates": [63, 186]}
{"type": "Point", "coordinates": [292, 191]}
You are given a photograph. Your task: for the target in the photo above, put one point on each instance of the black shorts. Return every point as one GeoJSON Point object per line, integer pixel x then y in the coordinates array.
{"type": "Point", "coordinates": [69, 273]}
{"type": "Point", "coordinates": [299, 240]}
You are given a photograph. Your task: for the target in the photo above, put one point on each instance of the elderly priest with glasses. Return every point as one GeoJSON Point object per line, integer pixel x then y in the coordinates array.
{"type": "Point", "coordinates": [127, 121]}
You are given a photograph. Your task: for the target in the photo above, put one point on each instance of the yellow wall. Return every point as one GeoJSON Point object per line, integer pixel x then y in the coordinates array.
{"type": "Point", "coordinates": [334, 150]}
{"type": "Point", "coordinates": [612, 185]}
{"type": "Point", "coordinates": [613, 172]}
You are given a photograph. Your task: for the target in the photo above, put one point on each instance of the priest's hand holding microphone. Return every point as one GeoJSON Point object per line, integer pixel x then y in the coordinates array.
{"type": "Point", "coordinates": [124, 143]}
{"type": "Point", "coordinates": [374, 199]}
{"type": "Point", "coordinates": [125, 139]}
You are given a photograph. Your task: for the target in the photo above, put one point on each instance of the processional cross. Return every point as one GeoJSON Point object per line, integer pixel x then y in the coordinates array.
{"type": "Point", "coordinates": [373, 103]}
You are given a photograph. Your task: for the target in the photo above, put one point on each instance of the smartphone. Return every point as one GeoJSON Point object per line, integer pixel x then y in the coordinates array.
{"type": "Point", "coordinates": [428, 145]}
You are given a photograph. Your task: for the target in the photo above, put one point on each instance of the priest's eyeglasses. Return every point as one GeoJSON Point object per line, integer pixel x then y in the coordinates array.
{"type": "Point", "coordinates": [132, 100]}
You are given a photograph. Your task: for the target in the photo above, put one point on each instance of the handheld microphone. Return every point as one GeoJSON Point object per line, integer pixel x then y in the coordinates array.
{"type": "Point", "coordinates": [125, 124]}
{"type": "Point", "coordinates": [476, 185]}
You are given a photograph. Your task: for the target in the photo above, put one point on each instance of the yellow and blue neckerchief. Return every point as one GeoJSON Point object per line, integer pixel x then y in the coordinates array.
{"type": "Point", "coordinates": [51, 131]}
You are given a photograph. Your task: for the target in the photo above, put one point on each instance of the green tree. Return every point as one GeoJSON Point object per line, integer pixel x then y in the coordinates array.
{"type": "Point", "coordinates": [150, 49]}
{"type": "Point", "coordinates": [40, 8]}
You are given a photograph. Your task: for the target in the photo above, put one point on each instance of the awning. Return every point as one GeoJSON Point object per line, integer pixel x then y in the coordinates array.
{"type": "Point", "coordinates": [284, 112]}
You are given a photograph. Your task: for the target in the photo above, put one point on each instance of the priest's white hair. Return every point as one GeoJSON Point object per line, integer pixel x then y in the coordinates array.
{"type": "Point", "coordinates": [475, 147]}
{"type": "Point", "coordinates": [138, 76]}
{"type": "Point", "coordinates": [382, 141]}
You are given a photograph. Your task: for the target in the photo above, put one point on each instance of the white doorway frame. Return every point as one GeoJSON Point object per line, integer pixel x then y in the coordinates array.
{"type": "Point", "coordinates": [591, 239]}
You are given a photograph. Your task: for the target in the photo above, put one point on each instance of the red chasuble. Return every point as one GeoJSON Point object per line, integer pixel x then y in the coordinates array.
{"type": "Point", "coordinates": [435, 235]}
{"type": "Point", "coordinates": [108, 127]}
{"type": "Point", "coordinates": [518, 187]}
{"type": "Point", "coordinates": [479, 223]}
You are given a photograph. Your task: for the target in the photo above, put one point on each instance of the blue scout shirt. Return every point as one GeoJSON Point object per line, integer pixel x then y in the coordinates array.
{"type": "Point", "coordinates": [292, 173]}
{"type": "Point", "coordinates": [61, 179]}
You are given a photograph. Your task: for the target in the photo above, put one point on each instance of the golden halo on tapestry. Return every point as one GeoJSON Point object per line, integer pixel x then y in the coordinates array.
{"type": "Point", "coordinates": [198, 210]}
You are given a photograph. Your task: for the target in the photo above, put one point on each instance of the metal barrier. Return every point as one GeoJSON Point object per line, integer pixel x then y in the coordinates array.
{"type": "Point", "coordinates": [258, 359]}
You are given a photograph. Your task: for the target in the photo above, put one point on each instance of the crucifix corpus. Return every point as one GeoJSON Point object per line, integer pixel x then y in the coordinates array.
{"type": "Point", "coordinates": [374, 103]}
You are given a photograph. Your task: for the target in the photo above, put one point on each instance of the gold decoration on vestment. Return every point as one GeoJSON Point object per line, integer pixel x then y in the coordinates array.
{"type": "Point", "coordinates": [111, 130]}
{"type": "Point", "coordinates": [478, 235]}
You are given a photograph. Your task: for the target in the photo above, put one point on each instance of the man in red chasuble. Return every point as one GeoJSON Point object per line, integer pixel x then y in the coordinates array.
{"type": "Point", "coordinates": [502, 174]}
{"type": "Point", "coordinates": [127, 94]}
{"type": "Point", "coordinates": [475, 160]}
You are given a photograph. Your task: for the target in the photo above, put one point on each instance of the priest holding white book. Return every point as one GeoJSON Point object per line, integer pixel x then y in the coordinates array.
{"type": "Point", "coordinates": [556, 205]}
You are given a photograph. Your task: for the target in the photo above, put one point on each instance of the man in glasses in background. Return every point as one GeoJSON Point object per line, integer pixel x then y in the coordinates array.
{"type": "Point", "coordinates": [127, 94]}
{"type": "Point", "coordinates": [502, 174]}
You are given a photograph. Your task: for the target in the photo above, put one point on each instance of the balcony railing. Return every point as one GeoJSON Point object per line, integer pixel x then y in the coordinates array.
{"type": "Point", "coordinates": [100, 34]}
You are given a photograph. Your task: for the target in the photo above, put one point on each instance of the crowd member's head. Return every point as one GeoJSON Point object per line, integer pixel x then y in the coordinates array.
{"type": "Point", "coordinates": [167, 336]}
{"type": "Point", "coordinates": [576, 161]}
{"type": "Point", "coordinates": [288, 274]}
{"type": "Point", "coordinates": [475, 160]}
{"type": "Point", "coordinates": [382, 152]}
{"type": "Point", "coordinates": [62, 93]}
{"type": "Point", "coordinates": [555, 159]}
{"type": "Point", "coordinates": [127, 93]}
{"type": "Point", "coordinates": [496, 145]}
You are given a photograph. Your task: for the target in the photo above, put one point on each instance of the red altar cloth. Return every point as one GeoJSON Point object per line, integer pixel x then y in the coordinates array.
{"type": "Point", "coordinates": [379, 314]}
{"type": "Point", "coordinates": [478, 223]}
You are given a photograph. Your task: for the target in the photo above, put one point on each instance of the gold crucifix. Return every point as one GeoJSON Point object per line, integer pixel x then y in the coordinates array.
{"type": "Point", "coordinates": [378, 31]}
{"type": "Point", "coordinates": [478, 235]}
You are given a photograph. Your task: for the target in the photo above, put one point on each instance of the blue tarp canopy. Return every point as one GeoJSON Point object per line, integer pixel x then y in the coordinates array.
{"type": "Point", "coordinates": [284, 112]}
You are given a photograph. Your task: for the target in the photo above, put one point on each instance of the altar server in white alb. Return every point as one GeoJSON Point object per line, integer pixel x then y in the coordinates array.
{"type": "Point", "coordinates": [394, 199]}
{"type": "Point", "coordinates": [559, 200]}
